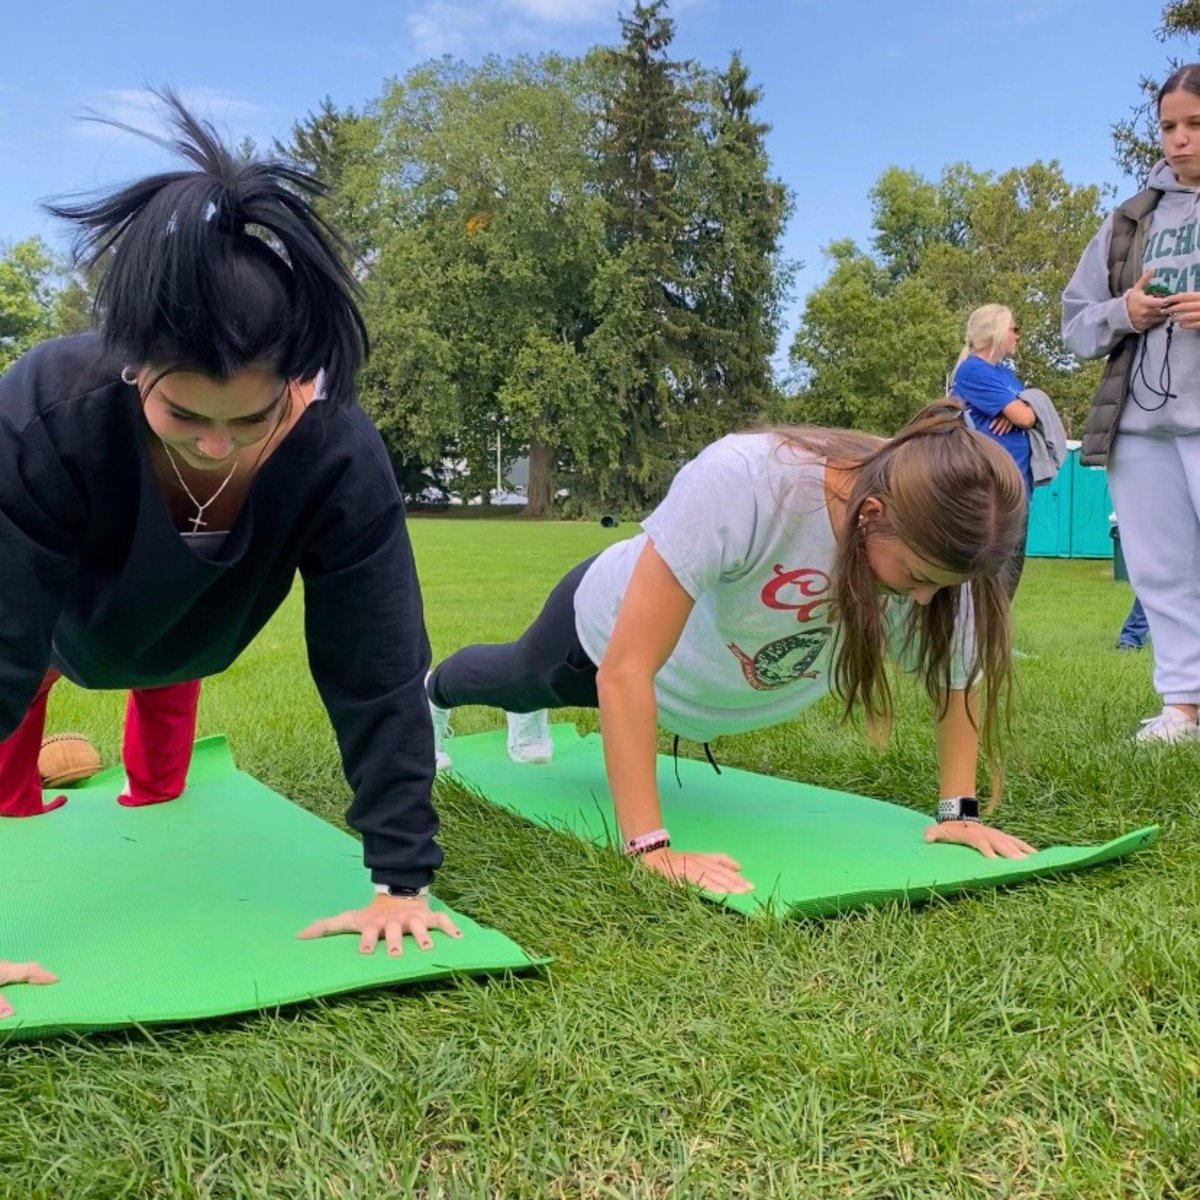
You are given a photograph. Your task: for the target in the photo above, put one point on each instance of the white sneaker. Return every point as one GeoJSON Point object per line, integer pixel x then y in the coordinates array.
{"type": "Point", "coordinates": [441, 731]}
{"type": "Point", "coordinates": [529, 737]}
{"type": "Point", "coordinates": [1170, 726]}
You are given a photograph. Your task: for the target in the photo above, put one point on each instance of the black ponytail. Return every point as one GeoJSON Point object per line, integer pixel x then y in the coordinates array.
{"type": "Point", "coordinates": [222, 267]}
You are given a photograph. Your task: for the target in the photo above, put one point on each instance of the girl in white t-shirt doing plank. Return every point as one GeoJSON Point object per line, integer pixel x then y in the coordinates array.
{"type": "Point", "coordinates": [781, 565]}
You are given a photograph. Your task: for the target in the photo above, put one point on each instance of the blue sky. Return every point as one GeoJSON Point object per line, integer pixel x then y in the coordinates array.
{"type": "Point", "coordinates": [850, 88]}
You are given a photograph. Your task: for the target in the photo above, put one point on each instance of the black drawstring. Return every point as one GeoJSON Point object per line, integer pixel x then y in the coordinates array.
{"type": "Point", "coordinates": [1163, 391]}
{"type": "Point", "coordinates": [712, 762]}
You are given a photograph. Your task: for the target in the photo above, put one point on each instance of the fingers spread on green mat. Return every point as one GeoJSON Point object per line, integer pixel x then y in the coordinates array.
{"type": "Point", "coordinates": [28, 972]}
{"type": "Point", "coordinates": [194, 907]}
{"type": "Point", "coordinates": [807, 849]}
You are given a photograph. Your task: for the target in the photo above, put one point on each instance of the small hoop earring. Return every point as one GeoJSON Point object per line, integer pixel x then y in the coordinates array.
{"type": "Point", "coordinates": [129, 376]}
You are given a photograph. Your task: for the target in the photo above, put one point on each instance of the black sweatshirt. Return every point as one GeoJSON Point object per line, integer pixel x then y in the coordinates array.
{"type": "Point", "coordinates": [95, 578]}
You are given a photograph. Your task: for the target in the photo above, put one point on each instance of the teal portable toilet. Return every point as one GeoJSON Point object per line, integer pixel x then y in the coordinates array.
{"type": "Point", "coordinates": [1090, 506]}
{"type": "Point", "coordinates": [1068, 517]}
{"type": "Point", "coordinates": [1050, 518]}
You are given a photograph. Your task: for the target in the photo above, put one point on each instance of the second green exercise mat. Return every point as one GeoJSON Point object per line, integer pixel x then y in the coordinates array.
{"type": "Point", "coordinates": [809, 849]}
{"type": "Point", "coordinates": [190, 909]}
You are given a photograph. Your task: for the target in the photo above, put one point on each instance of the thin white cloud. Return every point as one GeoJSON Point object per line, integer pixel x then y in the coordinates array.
{"type": "Point", "coordinates": [981, 16]}
{"type": "Point", "coordinates": [355, 51]}
{"type": "Point", "coordinates": [140, 109]}
{"type": "Point", "coordinates": [566, 12]}
{"type": "Point", "coordinates": [462, 28]}
{"type": "Point", "coordinates": [441, 28]}
{"type": "Point", "coordinates": [584, 12]}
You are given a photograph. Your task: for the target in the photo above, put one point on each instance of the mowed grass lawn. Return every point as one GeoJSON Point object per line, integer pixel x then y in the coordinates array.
{"type": "Point", "coordinates": [1039, 1041]}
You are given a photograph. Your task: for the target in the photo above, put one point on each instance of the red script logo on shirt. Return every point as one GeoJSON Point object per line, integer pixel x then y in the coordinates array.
{"type": "Point", "coordinates": [808, 581]}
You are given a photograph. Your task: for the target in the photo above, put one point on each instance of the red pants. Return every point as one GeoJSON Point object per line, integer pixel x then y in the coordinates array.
{"type": "Point", "coordinates": [160, 727]}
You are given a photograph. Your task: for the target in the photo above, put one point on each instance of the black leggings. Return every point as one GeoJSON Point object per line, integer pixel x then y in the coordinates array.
{"type": "Point", "coordinates": [1016, 564]}
{"type": "Point", "coordinates": [546, 667]}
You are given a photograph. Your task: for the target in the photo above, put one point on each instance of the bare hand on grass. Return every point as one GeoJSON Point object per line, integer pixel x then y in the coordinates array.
{"type": "Point", "coordinates": [713, 872]}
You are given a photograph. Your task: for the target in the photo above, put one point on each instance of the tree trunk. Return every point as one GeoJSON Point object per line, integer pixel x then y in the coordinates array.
{"type": "Point", "coordinates": [540, 493]}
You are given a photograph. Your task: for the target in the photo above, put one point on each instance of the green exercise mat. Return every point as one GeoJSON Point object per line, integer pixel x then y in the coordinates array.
{"type": "Point", "coordinates": [811, 850]}
{"type": "Point", "coordinates": [190, 909]}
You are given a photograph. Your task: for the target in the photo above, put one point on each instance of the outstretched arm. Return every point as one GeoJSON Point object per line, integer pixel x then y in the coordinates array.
{"type": "Point", "coordinates": [653, 613]}
{"type": "Point", "coordinates": [957, 735]}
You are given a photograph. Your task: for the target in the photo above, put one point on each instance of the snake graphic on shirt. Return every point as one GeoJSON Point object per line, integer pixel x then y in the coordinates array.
{"type": "Point", "coordinates": [784, 661]}
{"type": "Point", "coordinates": [789, 659]}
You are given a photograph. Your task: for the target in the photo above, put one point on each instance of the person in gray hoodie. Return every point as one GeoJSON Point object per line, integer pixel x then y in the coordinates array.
{"type": "Point", "coordinates": [1135, 297]}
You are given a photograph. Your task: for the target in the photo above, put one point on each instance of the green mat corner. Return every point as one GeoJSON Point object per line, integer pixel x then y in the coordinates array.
{"type": "Point", "coordinates": [813, 851]}
{"type": "Point", "coordinates": [188, 910]}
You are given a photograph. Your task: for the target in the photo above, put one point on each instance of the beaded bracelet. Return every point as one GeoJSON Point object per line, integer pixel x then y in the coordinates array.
{"type": "Point", "coordinates": [645, 843]}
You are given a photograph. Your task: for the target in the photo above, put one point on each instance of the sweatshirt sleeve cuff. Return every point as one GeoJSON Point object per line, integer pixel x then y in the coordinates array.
{"type": "Point", "coordinates": [1118, 316]}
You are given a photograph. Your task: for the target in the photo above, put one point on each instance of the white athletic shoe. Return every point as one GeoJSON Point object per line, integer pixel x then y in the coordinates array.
{"type": "Point", "coordinates": [441, 731]}
{"type": "Point", "coordinates": [529, 737]}
{"type": "Point", "coordinates": [1170, 726]}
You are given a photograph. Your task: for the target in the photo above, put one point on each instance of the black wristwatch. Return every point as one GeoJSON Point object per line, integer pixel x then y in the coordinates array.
{"type": "Point", "coordinates": [958, 808]}
{"type": "Point", "coordinates": [400, 892]}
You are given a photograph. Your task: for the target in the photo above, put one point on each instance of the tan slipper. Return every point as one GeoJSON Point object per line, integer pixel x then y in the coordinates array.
{"type": "Point", "coordinates": [67, 758]}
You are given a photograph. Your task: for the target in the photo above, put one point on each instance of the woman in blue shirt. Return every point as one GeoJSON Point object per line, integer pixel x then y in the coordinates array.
{"type": "Point", "coordinates": [991, 392]}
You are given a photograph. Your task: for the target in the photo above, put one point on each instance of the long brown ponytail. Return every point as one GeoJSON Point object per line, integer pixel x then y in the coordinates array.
{"type": "Point", "coordinates": [956, 499]}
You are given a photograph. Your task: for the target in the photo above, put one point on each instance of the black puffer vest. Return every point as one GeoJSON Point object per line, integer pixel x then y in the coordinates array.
{"type": "Point", "coordinates": [1131, 223]}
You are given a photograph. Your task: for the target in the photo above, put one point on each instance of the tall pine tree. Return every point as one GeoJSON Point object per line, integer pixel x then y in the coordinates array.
{"type": "Point", "coordinates": [650, 125]}
{"type": "Point", "coordinates": [740, 280]}
{"type": "Point", "coordinates": [689, 308]}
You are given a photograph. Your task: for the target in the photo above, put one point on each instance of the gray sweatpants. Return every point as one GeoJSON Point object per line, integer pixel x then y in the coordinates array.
{"type": "Point", "coordinates": [1155, 487]}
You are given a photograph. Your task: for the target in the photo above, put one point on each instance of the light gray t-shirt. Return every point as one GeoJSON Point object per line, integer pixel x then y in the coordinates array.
{"type": "Point", "coordinates": [745, 530]}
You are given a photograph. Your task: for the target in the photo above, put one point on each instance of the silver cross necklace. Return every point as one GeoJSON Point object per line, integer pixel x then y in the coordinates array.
{"type": "Point", "coordinates": [198, 520]}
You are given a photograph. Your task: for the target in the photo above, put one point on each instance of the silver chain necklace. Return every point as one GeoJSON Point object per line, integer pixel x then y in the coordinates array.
{"type": "Point", "coordinates": [198, 520]}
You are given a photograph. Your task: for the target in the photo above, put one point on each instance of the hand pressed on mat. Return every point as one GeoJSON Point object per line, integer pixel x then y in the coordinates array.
{"type": "Point", "coordinates": [27, 972]}
{"type": "Point", "coordinates": [722, 874]}
{"type": "Point", "coordinates": [389, 917]}
{"type": "Point", "coordinates": [991, 843]}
